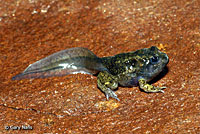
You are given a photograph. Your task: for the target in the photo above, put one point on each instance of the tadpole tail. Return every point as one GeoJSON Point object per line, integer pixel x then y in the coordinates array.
{"type": "Point", "coordinates": [69, 61]}
{"type": "Point", "coordinates": [51, 73]}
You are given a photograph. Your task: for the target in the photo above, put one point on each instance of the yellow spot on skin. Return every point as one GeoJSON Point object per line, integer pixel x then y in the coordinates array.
{"type": "Point", "coordinates": [107, 83]}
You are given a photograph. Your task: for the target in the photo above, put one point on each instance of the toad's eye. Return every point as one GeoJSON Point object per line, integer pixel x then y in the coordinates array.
{"type": "Point", "coordinates": [154, 60]}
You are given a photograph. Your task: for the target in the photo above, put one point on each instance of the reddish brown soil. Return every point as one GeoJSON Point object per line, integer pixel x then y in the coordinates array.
{"type": "Point", "coordinates": [33, 29]}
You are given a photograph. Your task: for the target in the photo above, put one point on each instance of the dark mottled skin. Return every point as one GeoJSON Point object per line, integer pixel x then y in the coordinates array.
{"type": "Point", "coordinates": [126, 69]}
{"type": "Point", "coordinates": [132, 69]}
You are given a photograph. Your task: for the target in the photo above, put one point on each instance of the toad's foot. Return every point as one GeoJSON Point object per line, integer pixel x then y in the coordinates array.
{"type": "Point", "coordinates": [150, 88]}
{"type": "Point", "coordinates": [110, 93]}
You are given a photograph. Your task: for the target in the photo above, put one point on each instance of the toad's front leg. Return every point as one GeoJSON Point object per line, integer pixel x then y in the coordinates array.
{"type": "Point", "coordinates": [149, 88]}
{"type": "Point", "coordinates": [107, 83]}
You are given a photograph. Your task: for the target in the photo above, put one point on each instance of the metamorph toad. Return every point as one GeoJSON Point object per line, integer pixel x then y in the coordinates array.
{"type": "Point", "coordinates": [126, 69]}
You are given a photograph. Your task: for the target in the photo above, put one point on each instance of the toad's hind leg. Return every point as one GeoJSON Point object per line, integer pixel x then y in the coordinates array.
{"type": "Point", "coordinates": [107, 83]}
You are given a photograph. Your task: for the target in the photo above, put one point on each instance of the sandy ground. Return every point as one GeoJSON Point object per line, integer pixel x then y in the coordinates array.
{"type": "Point", "coordinates": [33, 29]}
